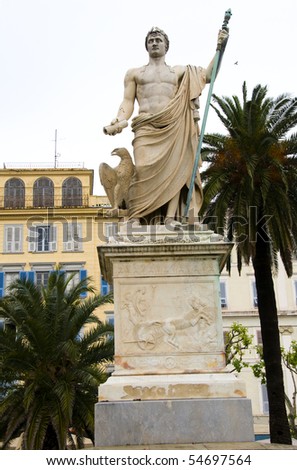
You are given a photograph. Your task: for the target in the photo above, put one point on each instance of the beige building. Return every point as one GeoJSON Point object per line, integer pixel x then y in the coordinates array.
{"type": "Point", "coordinates": [49, 216]}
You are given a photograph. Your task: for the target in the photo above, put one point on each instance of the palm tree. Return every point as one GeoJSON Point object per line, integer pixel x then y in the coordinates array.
{"type": "Point", "coordinates": [250, 195]}
{"type": "Point", "coordinates": [50, 367]}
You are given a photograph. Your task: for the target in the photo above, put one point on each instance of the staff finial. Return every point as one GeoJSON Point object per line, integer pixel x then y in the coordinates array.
{"type": "Point", "coordinates": [227, 17]}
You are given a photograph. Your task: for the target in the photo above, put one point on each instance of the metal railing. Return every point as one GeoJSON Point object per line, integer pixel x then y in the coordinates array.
{"type": "Point", "coordinates": [30, 203]}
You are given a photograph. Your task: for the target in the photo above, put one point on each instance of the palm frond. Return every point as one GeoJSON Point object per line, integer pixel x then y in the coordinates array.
{"type": "Point", "coordinates": [252, 170]}
{"type": "Point", "coordinates": [55, 360]}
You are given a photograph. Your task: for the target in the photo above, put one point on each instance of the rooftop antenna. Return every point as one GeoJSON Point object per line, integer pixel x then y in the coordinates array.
{"type": "Point", "coordinates": [56, 154]}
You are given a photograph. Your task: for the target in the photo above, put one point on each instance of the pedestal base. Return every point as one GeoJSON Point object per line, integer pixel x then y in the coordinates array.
{"type": "Point", "coordinates": [122, 423]}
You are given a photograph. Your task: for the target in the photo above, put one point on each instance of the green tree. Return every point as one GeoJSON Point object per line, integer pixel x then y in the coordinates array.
{"type": "Point", "coordinates": [289, 358]}
{"type": "Point", "coordinates": [250, 196]}
{"type": "Point", "coordinates": [50, 368]}
{"type": "Point", "coordinates": [237, 341]}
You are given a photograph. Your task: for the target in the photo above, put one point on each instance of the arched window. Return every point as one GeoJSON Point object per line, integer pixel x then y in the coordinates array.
{"type": "Point", "coordinates": [43, 193]}
{"type": "Point", "coordinates": [14, 193]}
{"type": "Point", "coordinates": [72, 192]}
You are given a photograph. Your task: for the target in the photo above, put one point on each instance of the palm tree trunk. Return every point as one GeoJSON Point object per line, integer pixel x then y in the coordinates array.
{"type": "Point", "coordinates": [278, 420]}
{"type": "Point", "coordinates": [50, 440]}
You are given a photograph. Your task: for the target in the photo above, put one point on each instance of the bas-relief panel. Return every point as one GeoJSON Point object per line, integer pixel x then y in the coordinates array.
{"type": "Point", "coordinates": [168, 317]}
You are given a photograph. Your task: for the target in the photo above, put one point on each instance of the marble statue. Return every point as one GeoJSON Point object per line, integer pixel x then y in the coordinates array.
{"type": "Point", "coordinates": [166, 132]}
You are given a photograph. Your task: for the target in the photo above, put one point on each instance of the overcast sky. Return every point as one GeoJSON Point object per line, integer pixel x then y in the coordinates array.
{"type": "Point", "coordinates": [63, 63]}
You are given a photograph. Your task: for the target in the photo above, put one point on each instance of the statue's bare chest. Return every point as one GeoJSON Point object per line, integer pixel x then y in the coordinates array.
{"type": "Point", "coordinates": [157, 75]}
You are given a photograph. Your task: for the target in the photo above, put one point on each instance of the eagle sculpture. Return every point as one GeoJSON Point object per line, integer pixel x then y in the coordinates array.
{"type": "Point", "coordinates": [116, 181]}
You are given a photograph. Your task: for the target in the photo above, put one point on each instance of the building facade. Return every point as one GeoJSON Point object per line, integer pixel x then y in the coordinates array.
{"type": "Point", "coordinates": [49, 217]}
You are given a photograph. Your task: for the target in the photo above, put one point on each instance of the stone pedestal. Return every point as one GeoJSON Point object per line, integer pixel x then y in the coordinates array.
{"type": "Point", "coordinates": [169, 348]}
{"type": "Point", "coordinates": [173, 422]}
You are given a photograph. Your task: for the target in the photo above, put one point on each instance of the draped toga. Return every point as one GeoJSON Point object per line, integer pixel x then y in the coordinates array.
{"type": "Point", "coordinates": [165, 146]}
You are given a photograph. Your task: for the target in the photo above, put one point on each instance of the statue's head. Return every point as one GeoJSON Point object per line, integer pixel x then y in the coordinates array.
{"type": "Point", "coordinates": [156, 30]}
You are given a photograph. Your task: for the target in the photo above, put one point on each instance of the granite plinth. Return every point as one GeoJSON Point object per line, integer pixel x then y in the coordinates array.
{"type": "Point", "coordinates": [122, 423]}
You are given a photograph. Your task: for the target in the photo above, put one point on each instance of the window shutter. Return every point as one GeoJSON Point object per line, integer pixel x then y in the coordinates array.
{"type": "Point", "coordinates": [12, 238]}
{"type": "Point", "coordinates": [1, 284]}
{"type": "Point", "coordinates": [105, 287]}
{"type": "Point", "coordinates": [31, 276]}
{"type": "Point", "coordinates": [66, 237]}
{"type": "Point", "coordinates": [17, 239]}
{"type": "Point", "coordinates": [259, 338]}
{"type": "Point", "coordinates": [57, 271]}
{"type": "Point", "coordinates": [72, 235]}
{"type": "Point", "coordinates": [65, 232]}
{"type": "Point", "coordinates": [23, 275]}
{"type": "Point", "coordinates": [53, 238]}
{"type": "Point", "coordinates": [82, 276]}
{"type": "Point", "coordinates": [33, 238]}
{"type": "Point", "coordinates": [111, 229]}
{"type": "Point", "coordinates": [68, 246]}
{"type": "Point", "coordinates": [27, 276]}
{"type": "Point", "coordinates": [223, 294]}
{"type": "Point", "coordinates": [8, 239]}
{"type": "Point", "coordinates": [77, 237]}
{"type": "Point", "coordinates": [32, 246]}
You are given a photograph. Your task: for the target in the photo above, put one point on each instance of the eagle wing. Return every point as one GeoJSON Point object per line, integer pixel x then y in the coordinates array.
{"type": "Point", "coordinates": [108, 179]}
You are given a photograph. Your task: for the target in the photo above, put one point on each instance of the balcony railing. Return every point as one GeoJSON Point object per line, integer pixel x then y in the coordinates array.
{"type": "Point", "coordinates": [30, 203]}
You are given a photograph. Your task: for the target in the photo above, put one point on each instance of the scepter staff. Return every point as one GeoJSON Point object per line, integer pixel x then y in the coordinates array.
{"type": "Point", "coordinates": [213, 77]}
